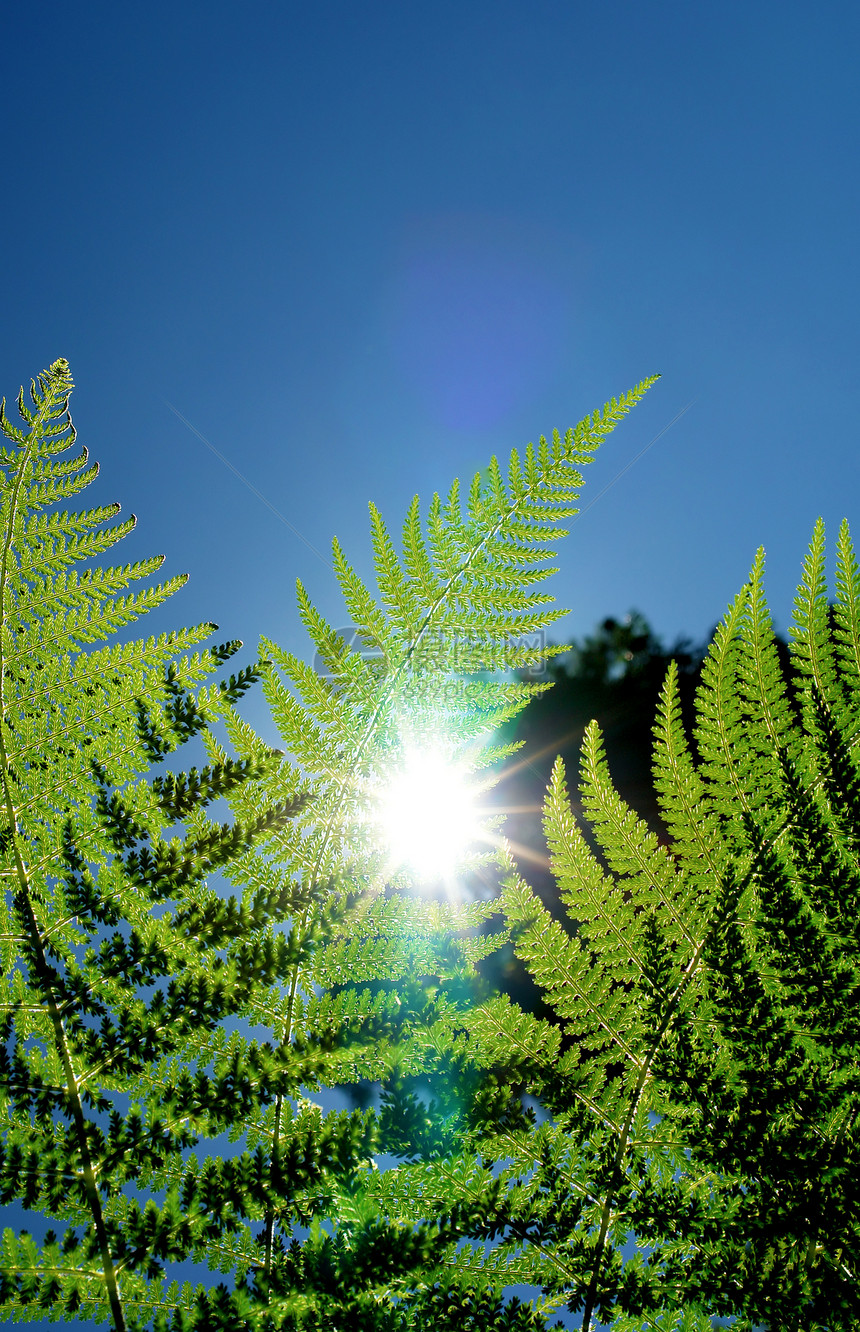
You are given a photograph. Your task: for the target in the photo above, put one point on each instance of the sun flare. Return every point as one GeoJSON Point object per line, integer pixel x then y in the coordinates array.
{"type": "Point", "coordinates": [428, 816]}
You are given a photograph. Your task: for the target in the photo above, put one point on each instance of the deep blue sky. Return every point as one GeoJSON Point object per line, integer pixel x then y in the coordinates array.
{"type": "Point", "coordinates": [361, 247]}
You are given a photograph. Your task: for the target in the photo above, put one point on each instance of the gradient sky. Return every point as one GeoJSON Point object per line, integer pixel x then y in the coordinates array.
{"type": "Point", "coordinates": [361, 247]}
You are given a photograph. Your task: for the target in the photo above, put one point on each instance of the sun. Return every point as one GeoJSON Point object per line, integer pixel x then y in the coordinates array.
{"type": "Point", "coordinates": [427, 815]}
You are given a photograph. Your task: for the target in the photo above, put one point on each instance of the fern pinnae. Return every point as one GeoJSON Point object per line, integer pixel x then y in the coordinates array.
{"type": "Point", "coordinates": [445, 526]}
{"type": "Point", "coordinates": [454, 552]}
{"type": "Point", "coordinates": [489, 562]}
{"type": "Point", "coordinates": [70, 538]}
{"type": "Point", "coordinates": [826, 690]}
{"type": "Point", "coordinates": [681, 794]}
{"type": "Point", "coordinates": [84, 861]}
{"type": "Point", "coordinates": [372, 622]}
{"type": "Point", "coordinates": [809, 630]}
{"type": "Point", "coordinates": [628, 845]}
{"type": "Point", "coordinates": [759, 668]}
{"type": "Point", "coordinates": [592, 1013]}
{"type": "Point", "coordinates": [847, 612]}
{"type": "Point", "coordinates": [100, 672]}
{"type": "Point", "coordinates": [561, 965]}
{"type": "Point", "coordinates": [399, 598]}
{"type": "Point", "coordinates": [720, 717]}
{"type": "Point", "coordinates": [43, 970]}
{"type": "Point", "coordinates": [837, 773]}
{"type": "Point", "coordinates": [636, 1098]}
{"type": "Point", "coordinates": [684, 921]}
{"type": "Point", "coordinates": [51, 401]}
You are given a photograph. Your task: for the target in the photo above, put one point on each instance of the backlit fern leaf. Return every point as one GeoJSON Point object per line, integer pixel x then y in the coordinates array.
{"type": "Point", "coordinates": [132, 982]}
{"type": "Point", "coordinates": [459, 604]}
{"type": "Point", "coordinates": [810, 630]}
{"type": "Point", "coordinates": [847, 613]}
{"type": "Point", "coordinates": [459, 600]}
{"type": "Point", "coordinates": [686, 810]}
{"type": "Point", "coordinates": [709, 995]}
{"type": "Point", "coordinates": [100, 981]}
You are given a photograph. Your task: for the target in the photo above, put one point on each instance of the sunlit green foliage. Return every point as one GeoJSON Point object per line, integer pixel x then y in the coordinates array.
{"type": "Point", "coordinates": [109, 984]}
{"type": "Point", "coordinates": [383, 983]}
{"type": "Point", "coordinates": [677, 1141]}
{"type": "Point", "coordinates": [125, 972]}
{"type": "Point", "coordinates": [702, 1073]}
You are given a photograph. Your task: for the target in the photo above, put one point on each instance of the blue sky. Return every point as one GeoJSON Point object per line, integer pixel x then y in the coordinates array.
{"type": "Point", "coordinates": [360, 247]}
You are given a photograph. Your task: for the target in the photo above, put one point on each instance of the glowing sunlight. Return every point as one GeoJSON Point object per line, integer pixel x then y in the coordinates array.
{"type": "Point", "coordinates": [428, 816]}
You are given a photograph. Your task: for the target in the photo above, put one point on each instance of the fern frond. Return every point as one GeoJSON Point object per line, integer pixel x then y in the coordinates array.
{"type": "Point", "coordinates": [720, 718]}
{"type": "Point", "coordinates": [683, 798]}
{"type": "Point", "coordinates": [629, 847]}
{"type": "Point", "coordinates": [724, 973]}
{"type": "Point", "coordinates": [459, 602]}
{"type": "Point", "coordinates": [810, 628]}
{"type": "Point", "coordinates": [101, 982]}
{"type": "Point", "coordinates": [847, 612]}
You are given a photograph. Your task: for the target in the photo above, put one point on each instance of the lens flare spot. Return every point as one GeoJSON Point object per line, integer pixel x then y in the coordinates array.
{"type": "Point", "coordinates": [479, 318]}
